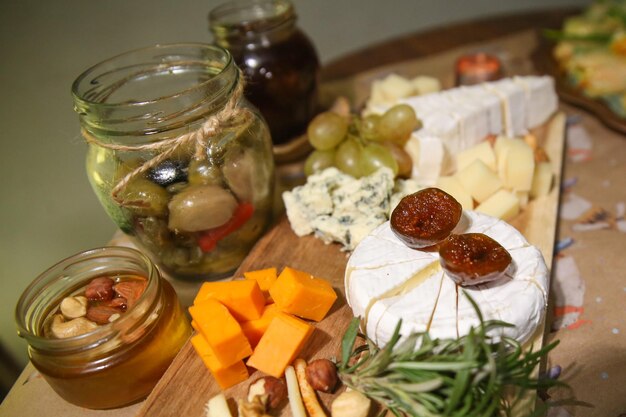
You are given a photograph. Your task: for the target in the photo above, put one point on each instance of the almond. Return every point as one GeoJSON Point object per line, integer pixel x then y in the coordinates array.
{"type": "Point", "coordinates": [100, 289]}
{"type": "Point", "coordinates": [101, 314]}
{"type": "Point", "coordinates": [130, 290]}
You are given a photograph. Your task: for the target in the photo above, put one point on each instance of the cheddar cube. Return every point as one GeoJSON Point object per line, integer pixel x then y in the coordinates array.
{"type": "Point", "coordinates": [282, 342]}
{"type": "Point", "coordinates": [302, 294]}
{"type": "Point", "coordinates": [264, 277]}
{"type": "Point", "coordinates": [243, 298]}
{"type": "Point", "coordinates": [254, 329]}
{"type": "Point", "coordinates": [226, 376]}
{"type": "Point", "coordinates": [221, 331]}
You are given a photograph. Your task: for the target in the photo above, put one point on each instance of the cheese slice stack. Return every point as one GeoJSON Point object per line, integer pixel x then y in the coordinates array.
{"type": "Point", "coordinates": [387, 281]}
{"type": "Point", "coordinates": [459, 118]}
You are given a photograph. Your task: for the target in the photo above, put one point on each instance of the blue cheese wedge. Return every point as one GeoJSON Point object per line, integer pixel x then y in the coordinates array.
{"type": "Point", "coordinates": [339, 208]}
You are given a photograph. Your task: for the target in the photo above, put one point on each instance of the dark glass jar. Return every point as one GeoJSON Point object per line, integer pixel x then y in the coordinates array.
{"type": "Point", "coordinates": [279, 61]}
{"type": "Point", "coordinates": [197, 208]}
{"type": "Point", "coordinates": [115, 364]}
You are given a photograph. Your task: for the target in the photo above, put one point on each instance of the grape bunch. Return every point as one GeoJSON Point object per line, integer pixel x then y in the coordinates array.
{"type": "Point", "coordinates": [359, 146]}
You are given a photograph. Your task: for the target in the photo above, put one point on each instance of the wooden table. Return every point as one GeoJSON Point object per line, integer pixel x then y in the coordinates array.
{"type": "Point", "coordinates": [597, 382]}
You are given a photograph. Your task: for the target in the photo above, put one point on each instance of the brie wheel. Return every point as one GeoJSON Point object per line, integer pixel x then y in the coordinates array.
{"type": "Point", "coordinates": [387, 281]}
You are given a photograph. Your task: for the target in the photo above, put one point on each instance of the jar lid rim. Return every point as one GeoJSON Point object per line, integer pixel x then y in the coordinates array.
{"type": "Point", "coordinates": [83, 78]}
{"type": "Point", "coordinates": [102, 333]}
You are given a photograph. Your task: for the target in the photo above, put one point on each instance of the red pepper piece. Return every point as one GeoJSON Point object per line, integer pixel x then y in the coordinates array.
{"type": "Point", "coordinates": [209, 238]}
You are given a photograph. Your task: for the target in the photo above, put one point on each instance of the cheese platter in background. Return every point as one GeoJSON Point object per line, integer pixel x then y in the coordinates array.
{"type": "Point", "coordinates": [587, 58]}
{"type": "Point", "coordinates": [281, 247]}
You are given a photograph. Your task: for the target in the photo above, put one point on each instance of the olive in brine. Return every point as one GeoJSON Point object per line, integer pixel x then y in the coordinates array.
{"type": "Point", "coordinates": [144, 197]}
{"type": "Point", "coordinates": [473, 258]}
{"type": "Point", "coordinates": [201, 207]}
{"type": "Point", "coordinates": [167, 172]}
{"type": "Point", "coordinates": [425, 218]}
{"type": "Point", "coordinates": [203, 172]}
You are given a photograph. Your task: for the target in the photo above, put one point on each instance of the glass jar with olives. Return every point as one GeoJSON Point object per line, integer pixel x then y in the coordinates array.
{"type": "Point", "coordinates": [178, 159]}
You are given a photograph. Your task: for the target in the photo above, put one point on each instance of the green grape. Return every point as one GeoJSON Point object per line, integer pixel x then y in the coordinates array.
{"type": "Point", "coordinates": [375, 156]}
{"type": "Point", "coordinates": [327, 130]}
{"type": "Point", "coordinates": [369, 127]}
{"type": "Point", "coordinates": [397, 124]}
{"type": "Point", "coordinates": [347, 158]}
{"type": "Point", "coordinates": [405, 163]}
{"type": "Point", "coordinates": [319, 160]}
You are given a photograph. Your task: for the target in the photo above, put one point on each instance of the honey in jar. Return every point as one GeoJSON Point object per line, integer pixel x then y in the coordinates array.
{"type": "Point", "coordinates": [279, 61]}
{"type": "Point", "coordinates": [102, 327]}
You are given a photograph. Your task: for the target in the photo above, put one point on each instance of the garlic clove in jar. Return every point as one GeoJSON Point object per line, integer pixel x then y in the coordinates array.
{"type": "Point", "coordinates": [200, 207]}
{"type": "Point", "coordinates": [238, 172]}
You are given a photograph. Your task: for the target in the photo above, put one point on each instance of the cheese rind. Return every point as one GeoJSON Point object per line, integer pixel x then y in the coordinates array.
{"type": "Point", "coordinates": [432, 305]}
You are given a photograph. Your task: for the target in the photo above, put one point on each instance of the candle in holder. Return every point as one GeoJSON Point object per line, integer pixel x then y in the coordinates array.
{"type": "Point", "coordinates": [477, 68]}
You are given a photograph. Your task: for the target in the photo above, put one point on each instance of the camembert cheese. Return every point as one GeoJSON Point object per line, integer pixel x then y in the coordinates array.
{"type": "Point", "coordinates": [387, 281]}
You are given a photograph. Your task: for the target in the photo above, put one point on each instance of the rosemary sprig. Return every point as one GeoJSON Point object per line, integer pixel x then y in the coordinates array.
{"type": "Point", "coordinates": [472, 376]}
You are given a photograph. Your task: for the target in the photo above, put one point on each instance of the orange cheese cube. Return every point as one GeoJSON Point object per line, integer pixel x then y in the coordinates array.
{"type": "Point", "coordinates": [226, 376]}
{"type": "Point", "coordinates": [281, 343]}
{"type": "Point", "coordinates": [265, 277]}
{"type": "Point", "coordinates": [243, 298]}
{"type": "Point", "coordinates": [254, 329]}
{"type": "Point", "coordinates": [221, 331]}
{"type": "Point", "coordinates": [302, 294]}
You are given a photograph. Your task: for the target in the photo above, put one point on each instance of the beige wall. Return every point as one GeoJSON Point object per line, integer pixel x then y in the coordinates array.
{"type": "Point", "coordinates": [47, 208]}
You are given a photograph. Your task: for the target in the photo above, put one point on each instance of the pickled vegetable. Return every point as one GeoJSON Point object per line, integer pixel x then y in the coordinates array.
{"type": "Point", "coordinates": [425, 218]}
{"type": "Point", "coordinates": [474, 258]}
{"type": "Point", "coordinates": [201, 207]}
{"type": "Point", "coordinates": [144, 197]}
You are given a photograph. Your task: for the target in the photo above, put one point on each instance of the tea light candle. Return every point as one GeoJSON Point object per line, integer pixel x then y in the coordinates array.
{"type": "Point", "coordinates": [477, 68]}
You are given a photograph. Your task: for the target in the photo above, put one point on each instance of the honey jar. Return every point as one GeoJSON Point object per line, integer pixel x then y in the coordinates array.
{"type": "Point", "coordinates": [114, 363]}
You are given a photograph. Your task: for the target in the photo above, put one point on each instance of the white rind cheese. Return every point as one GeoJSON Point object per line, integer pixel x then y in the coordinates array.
{"type": "Point", "coordinates": [462, 117]}
{"type": "Point", "coordinates": [386, 281]}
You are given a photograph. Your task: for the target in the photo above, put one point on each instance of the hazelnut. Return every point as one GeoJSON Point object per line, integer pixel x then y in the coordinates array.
{"type": "Point", "coordinates": [322, 375]}
{"type": "Point", "coordinates": [272, 391]}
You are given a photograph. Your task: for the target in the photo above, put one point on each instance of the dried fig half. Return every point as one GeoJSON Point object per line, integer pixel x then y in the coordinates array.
{"type": "Point", "coordinates": [425, 218]}
{"type": "Point", "coordinates": [473, 258]}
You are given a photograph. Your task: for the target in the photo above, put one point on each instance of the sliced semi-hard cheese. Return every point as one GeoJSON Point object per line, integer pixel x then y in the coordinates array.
{"type": "Point", "coordinates": [433, 303]}
{"type": "Point", "coordinates": [479, 180]}
{"type": "Point", "coordinates": [264, 277]}
{"type": "Point", "coordinates": [226, 376]}
{"type": "Point", "coordinates": [243, 298]}
{"type": "Point", "coordinates": [221, 331]}
{"type": "Point", "coordinates": [452, 186]}
{"type": "Point", "coordinates": [302, 294]}
{"type": "Point", "coordinates": [482, 151]}
{"type": "Point", "coordinates": [282, 342]}
{"type": "Point", "coordinates": [542, 180]}
{"type": "Point", "coordinates": [519, 166]}
{"type": "Point", "coordinates": [503, 205]}
{"type": "Point", "coordinates": [254, 329]}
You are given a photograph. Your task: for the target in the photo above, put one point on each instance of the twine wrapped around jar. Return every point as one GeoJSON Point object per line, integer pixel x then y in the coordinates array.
{"type": "Point", "coordinates": [212, 127]}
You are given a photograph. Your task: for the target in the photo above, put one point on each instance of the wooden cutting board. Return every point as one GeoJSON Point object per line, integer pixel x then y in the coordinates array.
{"type": "Point", "coordinates": [187, 385]}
